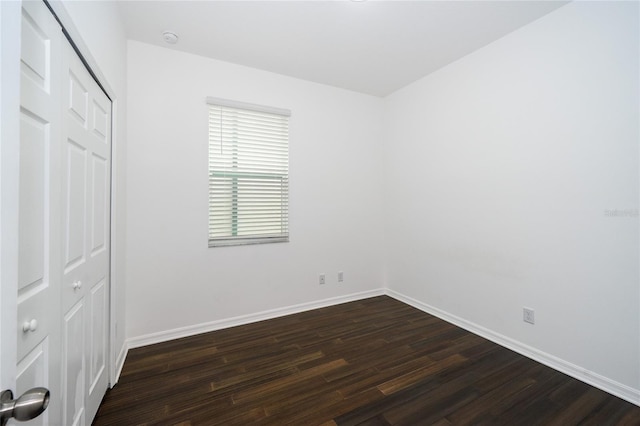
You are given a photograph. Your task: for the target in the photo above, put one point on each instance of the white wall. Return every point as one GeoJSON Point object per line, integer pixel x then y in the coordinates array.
{"type": "Point", "coordinates": [501, 166]}
{"type": "Point", "coordinates": [98, 29]}
{"type": "Point", "coordinates": [173, 278]}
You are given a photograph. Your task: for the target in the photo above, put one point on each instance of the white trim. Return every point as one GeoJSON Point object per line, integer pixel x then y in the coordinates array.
{"type": "Point", "coordinates": [594, 379]}
{"type": "Point", "coordinates": [119, 364]}
{"type": "Point", "coordinates": [177, 333]}
{"type": "Point", "coordinates": [226, 242]}
{"type": "Point", "coordinates": [251, 107]}
{"type": "Point", "coordinates": [114, 368]}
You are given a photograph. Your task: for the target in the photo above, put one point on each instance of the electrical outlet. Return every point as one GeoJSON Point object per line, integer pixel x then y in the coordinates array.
{"type": "Point", "coordinates": [340, 276]}
{"type": "Point", "coordinates": [528, 315]}
{"type": "Point", "coordinates": [322, 280]}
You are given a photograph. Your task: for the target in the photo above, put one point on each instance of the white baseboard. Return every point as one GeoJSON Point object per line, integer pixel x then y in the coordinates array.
{"type": "Point", "coordinates": [594, 379]}
{"type": "Point", "coordinates": [122, 356]}
{"type": "Point", "coordinates": [177, 333]}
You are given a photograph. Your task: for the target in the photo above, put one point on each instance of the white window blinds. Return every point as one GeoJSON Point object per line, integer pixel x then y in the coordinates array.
{"type": "Point", "coordinates": [248, 173]}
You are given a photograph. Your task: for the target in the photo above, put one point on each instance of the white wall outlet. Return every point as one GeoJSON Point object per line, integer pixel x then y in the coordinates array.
{"type": "Point", "coordinates": [528, 315]}
{"type": "Point", "coordinates": [322, 279]}
{"type": "Point", "coordinates": [340, 276]}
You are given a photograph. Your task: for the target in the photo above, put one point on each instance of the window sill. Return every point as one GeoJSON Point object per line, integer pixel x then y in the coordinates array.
{"type": "Point", "coordinates": [247, 241]}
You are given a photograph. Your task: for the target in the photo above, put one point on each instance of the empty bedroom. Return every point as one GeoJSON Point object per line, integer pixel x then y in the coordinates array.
{"type": "Point", "coordinates": [320, 212]}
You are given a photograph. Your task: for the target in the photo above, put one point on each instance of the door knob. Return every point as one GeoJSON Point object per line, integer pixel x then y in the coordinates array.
{"type": "Point", "coordinates": [30, 325]}
{"type": "Point", "coordinates": [77, 285]}
{"type": "Point", "coordinates": [29, 406]}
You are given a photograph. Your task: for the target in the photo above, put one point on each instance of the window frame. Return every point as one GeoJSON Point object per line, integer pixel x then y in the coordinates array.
{"type": "Point", "coordinates": [234, 240]}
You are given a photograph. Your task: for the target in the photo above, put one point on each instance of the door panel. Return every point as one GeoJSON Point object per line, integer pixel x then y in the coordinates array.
{"type": "Point", "coordinates": [75, 202]}
{"type": "Point", "coordinates": [99, 227]}
{"type": "Point", "coordinates": [33, 203]}
{"type": "Point", "coordinates": [98, 334]}
{"type": "Point", "coordinates": [78, 99]}
{"type": "Point", "coordinates": [33, 371]}
{"type": "Point", "coordinates": [73, 366]}
{"type": "Point", "coordinates": [39, 260]}
{"type": "Point", "coordinates": [87, 163]}
{"type": "Point", "coordinates": [101, 122]}
{"type": "Point", "coordinates": [36, 50]}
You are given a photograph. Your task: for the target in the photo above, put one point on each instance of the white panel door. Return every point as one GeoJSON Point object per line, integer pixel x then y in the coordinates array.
{"type": "Point", "coordinates": [86, 176]}
{"type": "Point", "coordinates": [10, 23]}
{"type": "Point", "coordinates": [39, 224]}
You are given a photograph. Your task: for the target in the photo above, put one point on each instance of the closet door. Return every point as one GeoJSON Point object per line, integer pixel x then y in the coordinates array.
{"type": "Point", "coordinates": [61, 229]}
{"type": "Point", "coordinates": [86, 177]}
{"type": "Point", "coordinates": [39, 224]}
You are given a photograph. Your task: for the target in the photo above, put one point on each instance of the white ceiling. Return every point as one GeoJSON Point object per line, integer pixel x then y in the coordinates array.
{"type": "Point", "coordinates": [373, 47]}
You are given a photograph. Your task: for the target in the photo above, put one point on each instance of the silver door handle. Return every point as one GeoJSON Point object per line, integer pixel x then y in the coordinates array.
{"type": "Point", "coordinates": [29, 406]}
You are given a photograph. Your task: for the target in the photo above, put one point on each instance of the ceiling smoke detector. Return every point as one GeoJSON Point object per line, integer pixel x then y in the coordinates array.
{"type": "Point", "coordinates": [170, 37]}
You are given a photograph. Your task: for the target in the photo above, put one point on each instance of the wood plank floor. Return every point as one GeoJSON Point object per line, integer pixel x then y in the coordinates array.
{"type": "Point", "coordinates": [371, 362]}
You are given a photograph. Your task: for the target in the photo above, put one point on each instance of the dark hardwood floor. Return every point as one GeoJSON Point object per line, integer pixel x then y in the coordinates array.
{"type": "Point", "coordinates": [371, 362]}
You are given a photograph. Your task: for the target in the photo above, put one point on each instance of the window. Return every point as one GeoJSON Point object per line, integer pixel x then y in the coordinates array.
{"type": "Point", "coordinates": [248, 173]}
